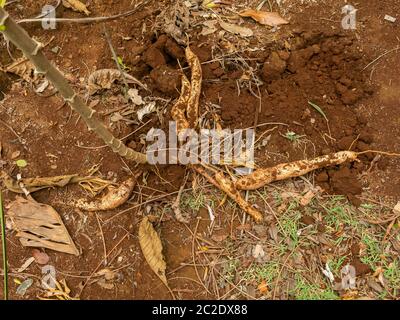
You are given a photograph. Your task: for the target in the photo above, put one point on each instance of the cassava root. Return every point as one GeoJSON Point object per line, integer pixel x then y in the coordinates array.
{"type": "Point", "coordinates": [262, 177]}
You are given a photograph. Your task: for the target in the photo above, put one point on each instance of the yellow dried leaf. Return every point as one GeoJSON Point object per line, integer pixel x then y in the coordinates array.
{"type": "Point", "coordinates": [23, 68]}
{"type": "Point", "coordinates": [263, 17]}
{"type": "Point", "coordinates": [235, 29]}
{"type": "Point", "coordinates": [262, 177]}
{"type": "Point", "coordinates": [76, 5]}
{"type": "Point", "coordinates": [104, 78]}
{"type": "Point", "coordinates": [151, 246]}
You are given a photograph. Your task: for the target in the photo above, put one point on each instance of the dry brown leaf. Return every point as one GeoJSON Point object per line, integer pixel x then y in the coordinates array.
{"type": "Point", "coordinates": [151, 246]}
{"type": "Point", "coordinates": [23, 68]}
{"type": "Point", "coordinates": [235, 29]}
{"type": "Point", "coordinates": [263, 17]}
{"type": "Point", "coordinates": [192, 110]}
{"type": "Point", "coordinates": [39, 225]}
{"type": "Point", "coordinates": [92, 184]}
{"type": "Point", "coordinates": [104, 78]}
{"type": "Point", "coordinates": [76, 5]}
{"type": "Point", "coordinates": [262, 177]}
{"type": "Point", "coordinates": [175, 21]}
{"type": "Point", "coordinates": [114, 198]}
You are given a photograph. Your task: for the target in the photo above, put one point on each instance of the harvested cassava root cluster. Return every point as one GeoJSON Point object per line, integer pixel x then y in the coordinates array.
{"type": "Point", "coordinates": [262, 177]}
{"type": "Point", "coordinates": [186, 113]}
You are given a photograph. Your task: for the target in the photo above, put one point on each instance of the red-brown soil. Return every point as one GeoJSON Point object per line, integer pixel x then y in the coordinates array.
{"type": "Point", "coordinates": [311, 60]}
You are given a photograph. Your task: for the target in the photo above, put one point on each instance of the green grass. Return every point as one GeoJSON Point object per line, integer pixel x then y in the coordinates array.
{"type": "Point", "coordinates": [339, 213]}
{"type": "Point", "coordinates": [309, 291]}
{"type": "Point", "coordinates": [259, 272]}
{"type": "Point", "coordinates": [193, 201]}
{"type": "Point", "coordinates": [373, 250]}
{"type": "Point", "coordinates": [392, 275]}
{"type": "Point", "coordinates": [4, 249]}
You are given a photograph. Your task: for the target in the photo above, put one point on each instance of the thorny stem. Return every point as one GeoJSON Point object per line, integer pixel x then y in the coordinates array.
{"type": "Point", "coordinates": [33, 51]}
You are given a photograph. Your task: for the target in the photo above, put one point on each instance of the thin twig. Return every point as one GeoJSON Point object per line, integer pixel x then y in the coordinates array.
{"type": "Point", "coordinates": [102, 238]}
{"type": "Point", "coordinates": [89, 20]}
{"type": "Point", "coordinates": [381, 56]}
{"type": "Point", "coordinates": [115, 58]}
{"type": "Point", "coordinates": [4, 249]}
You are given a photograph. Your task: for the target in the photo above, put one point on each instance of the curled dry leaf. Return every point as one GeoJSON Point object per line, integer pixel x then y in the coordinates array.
{"type": "Point", "coordinates": [262, 177]}
{"type": "Point", "coordinates": [92, 184]}
{"type": "Point", "coordinates": [263, 17]}
{"type": "Point", "coordinates": [104, 78]}
{"type": "Point", "coordinates": [228, 187]}
{"type": "Point", "coordinates": [235, 29]}
{"type": "Point", "coordinates": [76, 5]}
{"type": "Point", "coordinates": [113, 199]}
{"type": "Point", "coordinates": [23, 68]}
{"type": "Point", "coordinates": [147, 109]}
{"type": "Point", "coordinates": [179, 108]}
{"type": "Point", "coordinates": [39, 225]}
{"type": "Point", "coordinates": [151, 246]}
{"type": "Point", "coordinates": [175, 21]}
{"type": "Point", "coordinates": [192, 110]}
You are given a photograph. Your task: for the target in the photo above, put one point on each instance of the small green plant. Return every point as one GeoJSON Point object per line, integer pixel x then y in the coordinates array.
{"type": "Point", "coordinates": [292, 136]}
{"type": "Point", "coordinates": [121, 63]}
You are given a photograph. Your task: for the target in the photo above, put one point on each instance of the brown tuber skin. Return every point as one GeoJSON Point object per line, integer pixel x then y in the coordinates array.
{"type": "Point", "coordinates": [262, 177]}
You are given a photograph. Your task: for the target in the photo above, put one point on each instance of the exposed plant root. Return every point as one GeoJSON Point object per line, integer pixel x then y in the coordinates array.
{"type": "Point", "coordinates": [196, 79]}
{"type": "Point", "coordinates": [113, 199]}
{"type": "Point", "coordinates": [262, 177]}
{"type": "Point", "coordinates": [228, 187]}
{"type": "Point", "coordinates": [179, 108]}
